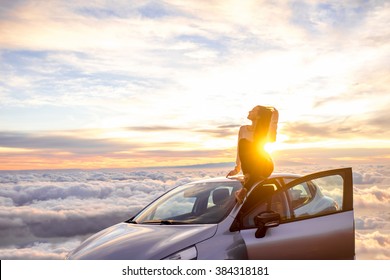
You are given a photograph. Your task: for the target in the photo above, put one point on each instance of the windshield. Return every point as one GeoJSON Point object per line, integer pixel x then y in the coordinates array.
{"type": "Point", "coordinates": [195, 203]}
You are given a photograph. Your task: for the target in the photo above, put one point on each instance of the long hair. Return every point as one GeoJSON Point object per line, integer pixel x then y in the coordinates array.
{"type": "Point", "coordinates": [262, 124]}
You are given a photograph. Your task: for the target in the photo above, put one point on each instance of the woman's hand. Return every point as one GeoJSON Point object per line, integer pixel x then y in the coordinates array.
{"type": "Point", "coordinates": [232, 173]}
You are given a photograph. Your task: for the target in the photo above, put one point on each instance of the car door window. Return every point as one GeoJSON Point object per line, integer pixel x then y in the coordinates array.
{"type": "Point", "coordinates": [265, 197]}
{"type": "Point", "coordinates": [300, 195]}
{"type": "Point", "coordinates": [317, 197]}
{"type": "Point", "coordinates": [276, 203]}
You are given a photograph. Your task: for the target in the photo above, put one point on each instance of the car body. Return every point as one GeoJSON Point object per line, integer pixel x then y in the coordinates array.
{"type": "Point", "coordinates": [286, 216]}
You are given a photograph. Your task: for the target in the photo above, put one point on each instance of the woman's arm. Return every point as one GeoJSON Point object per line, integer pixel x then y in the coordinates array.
{"type": "Point", "coordinates": [237, 168]}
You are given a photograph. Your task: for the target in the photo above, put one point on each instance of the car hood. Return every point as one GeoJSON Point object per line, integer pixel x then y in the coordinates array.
{"type": "Point", "coordinates": [141, 242]}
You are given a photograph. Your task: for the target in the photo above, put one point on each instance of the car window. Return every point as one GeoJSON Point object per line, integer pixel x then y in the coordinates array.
{"type": "Point", "coordinates": [300, 195]}
{"type": "Point", "coordinates": [177, 205]}
{"type": "Point", "coordinates": [211, 201]}
{"type": "Point", "coordinates": [317, 197]}
{"type": "Point", "coordinates": [265, 197]}
{"type": "Point", "coordinates": [276, 203]}
{"type": "Point", "coordinates": [197, 203]}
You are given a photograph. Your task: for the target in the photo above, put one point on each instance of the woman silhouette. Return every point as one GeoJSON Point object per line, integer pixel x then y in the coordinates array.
{"type": "Point", "coordinates": [256, 164]}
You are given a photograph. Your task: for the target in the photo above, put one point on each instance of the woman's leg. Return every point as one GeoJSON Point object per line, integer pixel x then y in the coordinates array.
{"type": "Point", "coordinates": [246, 152]}
{"type": "Point", "coordinates": [255, 164]}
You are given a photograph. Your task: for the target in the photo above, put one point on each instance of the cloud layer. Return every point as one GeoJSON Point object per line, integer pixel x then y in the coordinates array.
{"type": "Point", "coordinates": [45, 214]}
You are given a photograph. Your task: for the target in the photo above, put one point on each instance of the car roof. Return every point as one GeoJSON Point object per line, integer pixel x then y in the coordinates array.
{"type": "Point", "coordinates": [241, 177]}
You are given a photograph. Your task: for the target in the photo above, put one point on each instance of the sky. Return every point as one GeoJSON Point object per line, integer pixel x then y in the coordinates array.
{"type": "Point", "coordinates": [46, 214]}
{"type": "Point", "coordinates": [107, 84]}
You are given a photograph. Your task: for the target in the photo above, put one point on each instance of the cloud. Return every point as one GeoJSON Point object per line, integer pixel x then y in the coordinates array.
{"type": "Point", "coordinates": [121, 147]}
{"type": "Point", "coordinates": [371, 223]}
{"type": "Point", "coordinates": [152, 128]}
{"type": "Point", "coordinates": [218, 131]}
{"type": "Point", "coordinates": [373, 245]}
{"type": "Point", "coordinates": [333, 154]}
{"type": "Point", "coordinates": [40, 251]}
{"type": "Point", "coordinates": [62, 143]}
{"type": "Point", "coordinates": [369, 177]}
{"type": "Point", "coordinates": [85, 141]}
{"type": "Point", "coordinates": [222, 131]}
{"type": "Point", "coordinates": [371, 197]}
{"type": "Point", "coordinates": [45, 214]}
{"type": "Point", "coordinates": [368, 126]}
{"type": "Point", "coordinates": [45, 206]}
{"type": "Point", "coordinates": [65, 142]}
{"type": "Point", "coordinates": [371, 188]}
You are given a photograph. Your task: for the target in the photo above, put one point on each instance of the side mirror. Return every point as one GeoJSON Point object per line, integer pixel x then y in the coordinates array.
{"type": "Point", "coordinates": [265, 220]}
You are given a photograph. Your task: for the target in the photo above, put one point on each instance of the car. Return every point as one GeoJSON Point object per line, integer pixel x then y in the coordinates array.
{"type": "Point", "coordinates": [286, 216]}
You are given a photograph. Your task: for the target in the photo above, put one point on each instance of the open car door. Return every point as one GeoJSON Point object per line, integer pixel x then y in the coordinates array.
{"type": "Point", "coordinates": [310, 217]}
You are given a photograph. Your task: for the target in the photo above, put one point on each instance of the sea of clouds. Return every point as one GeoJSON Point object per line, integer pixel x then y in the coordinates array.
{"type": "Point", "coordinates": [46, 214]}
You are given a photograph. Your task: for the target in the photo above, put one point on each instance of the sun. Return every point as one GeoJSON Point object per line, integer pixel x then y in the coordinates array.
{"type": "Point", "coordinates": [276, 146]}
{"type": "Point", "coordinates": [270, 147]}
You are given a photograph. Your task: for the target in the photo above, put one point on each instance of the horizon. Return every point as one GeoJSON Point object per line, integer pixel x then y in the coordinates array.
{"type": "Point", "coordinates": [214, 165]}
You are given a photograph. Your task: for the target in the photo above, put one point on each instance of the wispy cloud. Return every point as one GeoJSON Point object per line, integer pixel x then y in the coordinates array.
{"type": "Point", "coordinates": [62, 143]}
{"type": "Point", "coordinates": [369, 125]}
{"type": "Point", "coordinates": [155, 145]}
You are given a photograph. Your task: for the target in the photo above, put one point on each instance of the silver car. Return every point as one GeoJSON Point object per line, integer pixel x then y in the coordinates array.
{"type": "Point", "coordinates": [286, 216]}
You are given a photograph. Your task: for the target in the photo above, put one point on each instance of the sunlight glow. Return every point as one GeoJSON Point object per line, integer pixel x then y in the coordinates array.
{"type": "Point", "coordinates": [270, 147]}
{"type": "Point", "coordinates": [278, 145]}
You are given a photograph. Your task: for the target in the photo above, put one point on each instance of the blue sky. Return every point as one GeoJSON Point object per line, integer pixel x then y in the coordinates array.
{"type": "Point", "coordinates": [170, 82]}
